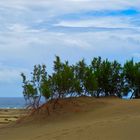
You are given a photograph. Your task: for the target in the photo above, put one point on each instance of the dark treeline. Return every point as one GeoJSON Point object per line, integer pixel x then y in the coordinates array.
{"type": "Point", "coordinates": [100, 78]}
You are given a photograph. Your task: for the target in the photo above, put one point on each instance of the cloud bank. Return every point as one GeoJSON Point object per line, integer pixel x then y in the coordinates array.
{"type": "Point", "coordinates": [33, 32]}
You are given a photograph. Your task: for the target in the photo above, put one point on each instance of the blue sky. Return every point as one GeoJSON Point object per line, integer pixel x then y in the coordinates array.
{"type": "Point", "coordinates": [33, 32]}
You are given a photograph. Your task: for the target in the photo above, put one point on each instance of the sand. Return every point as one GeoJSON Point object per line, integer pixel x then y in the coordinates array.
{"type": "Point", "coordinates": [81, 119]}
{"type": "Point", "coordinates": [7, 116]}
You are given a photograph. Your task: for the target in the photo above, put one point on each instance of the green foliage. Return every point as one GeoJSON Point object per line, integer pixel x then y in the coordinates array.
{"type": "Point", "coordinates": [33, 89]}
{"type": "Point", "coordinates": [63, 79]}
{"type": "Point", "coordinates": [108, 76]}
{"type": "Point", "coordinates": [80, 73]}
{"type": "Point", "coordinates": [100, 77]}
{"type": "Point", "coordinates": [116, 79]}
{"type": "Point", "coordinates": [90, 82]}
{"type": "Point", "coordinates": [132, 76]}
{"type": "Point", "coordinates": [45, 90]}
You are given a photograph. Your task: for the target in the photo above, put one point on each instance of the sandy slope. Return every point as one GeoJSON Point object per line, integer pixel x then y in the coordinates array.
{"type": "Point", "coordinates": [82, 119]}
{"type": "Point", "coordinates": [10, 115]}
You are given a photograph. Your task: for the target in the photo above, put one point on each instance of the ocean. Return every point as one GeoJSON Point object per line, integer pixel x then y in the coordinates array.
{"type": "Point", "coordinates": [12, 103]}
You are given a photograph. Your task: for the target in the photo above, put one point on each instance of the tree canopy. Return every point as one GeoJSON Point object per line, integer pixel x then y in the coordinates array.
{"type": "Point", "coordinates": [99, 78]}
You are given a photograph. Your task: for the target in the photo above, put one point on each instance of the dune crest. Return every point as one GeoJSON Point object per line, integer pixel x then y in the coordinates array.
{"type": "Point", "coordinates": [81, 118]}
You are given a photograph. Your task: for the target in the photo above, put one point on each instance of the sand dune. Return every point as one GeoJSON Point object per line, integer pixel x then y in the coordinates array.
{"type": "Point", "coordinates": [10, 115]}
{"type": "Point", "coordinates": [82, 118]}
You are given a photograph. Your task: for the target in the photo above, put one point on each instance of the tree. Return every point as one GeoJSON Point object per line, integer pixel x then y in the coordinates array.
{"type": "Point", "coordinates": [132, 76]}
{"type": "Point", "coordinates": [79, 71]}
{"type": "Point", "coordinates": [29, 92]}
{"type": "Point", "coordinates": [90, 82]}
{"type": "Point", "coordinates": [62, 80]}
{"type": "Point", "coordinates": [115, 79]}
{"type": "Point", "coordinates": [36, 87]}
{"type": "Point", "coordinates": [137, 79]}
{"type": "Point", "coordinates": [108, 76]}
{"type": "Point", "coordinates": [96, 68]}
{"type": "Point", "coordinates": [101, 77]}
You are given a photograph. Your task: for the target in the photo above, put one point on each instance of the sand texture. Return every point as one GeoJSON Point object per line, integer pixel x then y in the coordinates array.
{"type": "Point", "coordinates": [80, 119]}
{"type": "Point", "coordinates": [8, 116]}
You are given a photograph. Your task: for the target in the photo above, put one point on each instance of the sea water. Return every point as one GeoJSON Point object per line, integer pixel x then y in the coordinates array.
{"type": "Point", "coordinates": [12, 103]}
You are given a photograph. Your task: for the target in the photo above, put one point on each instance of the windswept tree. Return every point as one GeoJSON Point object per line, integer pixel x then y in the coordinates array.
{"type": "Point", "coordinates": [29, 92]}
{"type": "Point", "coordinates": [108, 76]}
{"type": "Point", "coordinates": [101, 77]}
{"type": "Point", "coordinates": [105, 76]}
{"type": "Point", "coordinates": [80, 73]}
{"type": "Point", "coordinates": [116, 81]}
{"type": "Point", "coordinates": [96, 65]}
{"type": "Point", "coordinates": [132, 75]}
{"type": "Point", "coordinates": [90, 82]}
{"type": "Point", "coordinates": [34, 88]}
{"type": "Point", "coordinates": [137, 65]}
{"type": "Point", "coordinates": [63, 80]}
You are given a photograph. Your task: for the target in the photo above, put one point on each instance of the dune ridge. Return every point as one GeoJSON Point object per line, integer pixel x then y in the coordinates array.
{"type": "Point", "coordinates": [81, 118]}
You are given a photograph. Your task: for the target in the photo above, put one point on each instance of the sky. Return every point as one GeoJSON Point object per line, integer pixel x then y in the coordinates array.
{"type": "Point", "coordinates": [34, 31]}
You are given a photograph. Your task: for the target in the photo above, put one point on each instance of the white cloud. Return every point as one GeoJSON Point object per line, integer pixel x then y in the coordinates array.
{"type": "Point", "coordinates": [105, 22]}
{"type": "Point", "coordinates": [10, 75]}
{"type": "Point", "coordinates": [17, 28]}
{"type": "Point", "coordinates": [30, 33]}
{"type": "Point", "coordinates": [71, 5]}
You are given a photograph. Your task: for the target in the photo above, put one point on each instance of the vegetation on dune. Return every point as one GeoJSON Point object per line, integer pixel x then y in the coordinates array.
{"type": "Point", "coordinates": [100, 78]}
